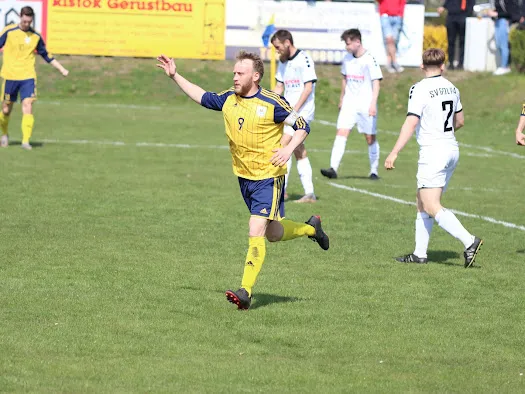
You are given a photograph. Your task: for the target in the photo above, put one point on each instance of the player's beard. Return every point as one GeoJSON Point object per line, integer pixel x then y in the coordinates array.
{"type": "Point", "coordinates": [241, 90]}
{"type": "Point", "coordinates": [283, 57]}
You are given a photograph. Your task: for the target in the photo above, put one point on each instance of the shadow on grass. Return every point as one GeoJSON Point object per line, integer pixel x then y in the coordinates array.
{"type": "Point", "coordinates": [522, 251]}
{"type": "Point", "coordinates": [259, 299]}
{"type": "Point", "coordinates": [356, 177]}
{"type": "Point", "coordinates": [263, 299]}
{"type": "Point", "coordinates": [442, 257]}
{"type": "Point", "coordinates": [33, 144]}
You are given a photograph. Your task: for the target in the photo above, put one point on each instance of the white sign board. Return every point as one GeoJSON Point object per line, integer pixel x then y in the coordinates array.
{"type": "Point", "coordinates": [317, 28]}
{"type": "Point", "coordinates": [10, 13]}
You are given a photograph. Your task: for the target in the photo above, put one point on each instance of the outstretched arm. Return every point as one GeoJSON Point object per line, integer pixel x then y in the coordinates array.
{"type": "Point", "coordinates": [170, 68]}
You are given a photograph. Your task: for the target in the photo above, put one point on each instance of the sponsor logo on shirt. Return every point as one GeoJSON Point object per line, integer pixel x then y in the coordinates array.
{"type": "Point", "coordinates": [292, 83]}
{"type": "Point", "coordinates": [355, 78]}
{"type": "Point", "coordinates": [261, 111]}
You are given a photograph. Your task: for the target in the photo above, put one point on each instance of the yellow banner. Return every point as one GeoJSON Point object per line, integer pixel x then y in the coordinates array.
{"type": "Point", "coordinates": [192, 29]}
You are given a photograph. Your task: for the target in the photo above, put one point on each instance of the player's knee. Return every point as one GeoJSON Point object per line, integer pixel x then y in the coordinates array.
{"type": "Point", "coordinates": [370, 139]}
{"type": "Point", "coordinates": [343, 132]}
{"type": "Point", "coordinates": [27, 107]}
{"type": "Point", "coordinates": [431, 207]}
{"type": "Point", "coordinates": [390, 40]}
{"type": "Point", "coordinates": [274, 232]}
{"type": "Point", "coordinates": [272, 237]}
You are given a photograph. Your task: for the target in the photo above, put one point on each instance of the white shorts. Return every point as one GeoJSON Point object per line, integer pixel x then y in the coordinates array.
{"type": "Point", "coordinates": [288, 130]}
{"type": "Point", "coordinates": [435, 167]}
{"type": "Point", "coordinates": [348, 118]}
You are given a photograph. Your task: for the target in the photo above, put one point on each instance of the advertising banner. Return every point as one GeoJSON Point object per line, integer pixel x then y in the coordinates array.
{"type": "Point", "coordinates": [317, 28]}
{"type": "Point", "coordinates": [191, 29]}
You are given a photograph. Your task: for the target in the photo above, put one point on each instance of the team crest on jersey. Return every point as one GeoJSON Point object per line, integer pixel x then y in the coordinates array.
{"type": "Point", "coordinates": [27, 40]}
{"type": "Point", "coordinates": [261, 111]}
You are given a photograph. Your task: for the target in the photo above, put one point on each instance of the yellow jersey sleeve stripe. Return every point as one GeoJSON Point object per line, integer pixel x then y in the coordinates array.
{"type": "Point", "coordinates": [225, 91]}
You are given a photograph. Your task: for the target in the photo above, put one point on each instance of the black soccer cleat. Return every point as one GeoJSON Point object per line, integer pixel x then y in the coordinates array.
{"type": "Point", "coordinates": [412, 258]}
{"type": "Point", "coordinates": [239, 298]}
{"type": "Point", "coordinates": [472, 251]}
{"type": "Point", "coordinates": [320, 236]}
{"type": "Point", "coordinates": [373, 177]}
{"type": "Point", "coordinates": [329, 173]}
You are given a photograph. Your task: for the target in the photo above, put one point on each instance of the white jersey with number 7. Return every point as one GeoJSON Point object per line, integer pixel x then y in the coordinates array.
{"type": "Point", "coordinates": [435, 101]}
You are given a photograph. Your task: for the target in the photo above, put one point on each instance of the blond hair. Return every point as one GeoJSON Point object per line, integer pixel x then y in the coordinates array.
{"type": "Point", "coordinates": [258, 65]}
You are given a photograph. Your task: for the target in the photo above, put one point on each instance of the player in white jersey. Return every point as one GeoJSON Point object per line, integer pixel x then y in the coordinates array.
{"type": "Point", "coordinates": [358, 102]}
{"type": "Point", "coordinates": [296, 77]}
{"type": "Point", "coordinates": [520, 137]}
{"type": "Point", "coordinates": [435, 111]}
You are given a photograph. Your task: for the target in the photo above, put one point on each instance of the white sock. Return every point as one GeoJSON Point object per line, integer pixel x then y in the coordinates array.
{"type": "Point", "coordinates": [338, 151]}
{"type": "Point", "coordinates": [424, 225]}
{"type": "Point", "coordinates": [305, 173]}
{"type": "Point", "coordinates": [288, 169]}
{"type": "Point", "coordinates": [373, 155]}
{"type": "Point", "coordinates": [450, 223]}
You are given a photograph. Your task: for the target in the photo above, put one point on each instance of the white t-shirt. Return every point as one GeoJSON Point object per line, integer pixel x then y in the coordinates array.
{"type": "Point", "coordinates": [294, 73]}
{"type": "Point", "coordinates": [359, 73]}
{"type": "Point", "coordinates": [434, 101]}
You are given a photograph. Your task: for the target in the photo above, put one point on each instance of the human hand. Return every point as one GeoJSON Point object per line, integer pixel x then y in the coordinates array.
{"type": "Point", "coordinates": [440, 10]}
{"type": "Point", "coordinates": [280, 157]}
{"type": "Point", "coordinates": [520, 138]}
{"type": "Point", "coordinates": [64, 72]}
{"type": "Point", "coordinates": [390, 161]}
{"type": "Point", "coordinates": [168, 65]}
{"type": "Point", "coordinates": [372, 111]}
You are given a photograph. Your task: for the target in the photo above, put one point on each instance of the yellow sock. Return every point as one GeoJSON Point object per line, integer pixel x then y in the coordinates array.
{"type": "Point", "coordinates": [4, 122]}
{"type": "Point", "coordinates": [254, 262]}
{"type": "Point", "coordinates": [28, 121]}
{"type": "Point", "coordinates": [295, 230]}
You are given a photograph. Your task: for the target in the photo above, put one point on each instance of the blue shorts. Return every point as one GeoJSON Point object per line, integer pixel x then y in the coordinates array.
{"type": "Point", "coordinates": [26, 88]}
{"type": "Point", "coordinates": [391, 26]}
{"type": "Point", "coordinates": [264, 198]}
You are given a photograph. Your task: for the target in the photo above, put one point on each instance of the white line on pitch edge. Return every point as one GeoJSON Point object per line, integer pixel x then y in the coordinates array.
{"type": "Point", "coordinates": [483, 148]}
{"type": "Point", "coordinates": [404, 202]}
{"type": "Point", "coordinates": [324, 122]}
{"type": "Point", "coordinates": [213, 147]}
{"type": "Point", "coordinates": [162, 145]}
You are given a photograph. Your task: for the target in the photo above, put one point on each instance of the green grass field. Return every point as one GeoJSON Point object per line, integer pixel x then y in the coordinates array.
{"type": "Point", "coordinates": [124, 226]}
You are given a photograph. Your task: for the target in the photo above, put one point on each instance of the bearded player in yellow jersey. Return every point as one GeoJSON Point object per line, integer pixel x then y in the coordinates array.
{"type": "Point", "coordinates": [254, 118]}
{"type": "Point", "coordinates": [18, 71]}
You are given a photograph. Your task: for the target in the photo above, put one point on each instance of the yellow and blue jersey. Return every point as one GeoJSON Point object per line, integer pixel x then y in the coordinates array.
{"type": "Point", "coordinates": [19, 53]}
{"type": "Point", "coordinates": [254, 126]}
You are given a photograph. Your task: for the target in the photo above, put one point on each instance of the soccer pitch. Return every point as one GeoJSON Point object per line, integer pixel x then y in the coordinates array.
{"type": "Point", "coordinates": [124, 226]}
